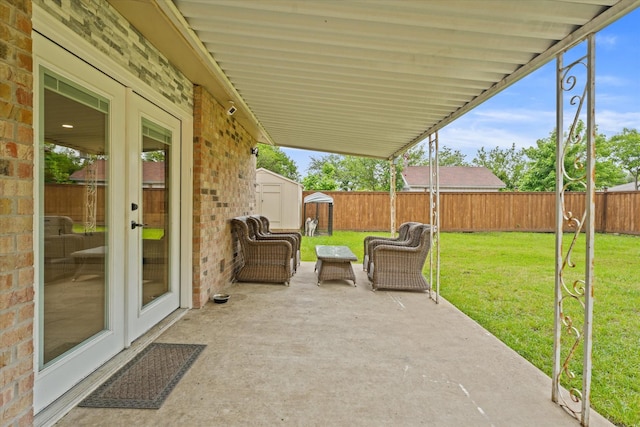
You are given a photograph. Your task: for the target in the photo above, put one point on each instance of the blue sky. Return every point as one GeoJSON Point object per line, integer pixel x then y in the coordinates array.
{"type": "Point", "coordinates": [525, 112]}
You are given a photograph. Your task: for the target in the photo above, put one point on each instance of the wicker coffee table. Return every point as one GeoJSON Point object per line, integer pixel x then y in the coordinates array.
{"type": "Point", "coordinates": [334, 262]}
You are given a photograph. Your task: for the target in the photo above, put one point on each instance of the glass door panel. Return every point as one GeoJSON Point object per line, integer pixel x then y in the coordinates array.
{"type": "Point", "coordinates": [80, 257]}
{"type": "Point", "coordinates": [74, 182]}
{"type": "Point", "coordinates": [155, 156]}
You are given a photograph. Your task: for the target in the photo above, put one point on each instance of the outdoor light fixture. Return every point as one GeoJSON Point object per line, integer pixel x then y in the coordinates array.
{"type": "Point", "coordinates": [231, 109]}
{"type": "Point", "coordinates": [254, 151]}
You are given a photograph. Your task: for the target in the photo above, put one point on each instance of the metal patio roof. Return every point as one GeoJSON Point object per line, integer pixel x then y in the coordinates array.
{"type": "Point", "coordinates": [370, 77]}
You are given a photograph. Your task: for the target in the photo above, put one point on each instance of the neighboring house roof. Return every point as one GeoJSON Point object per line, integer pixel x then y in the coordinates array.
{"type": "Point", "coordinates": [276, 175]}
{"type": "Point", "coordinates": [453, 177]}
{"type": "Point", "coordinates": [629, 186]}
{"type": "Point", "coordinates": [81, 175]}
{"type": "Point", "coordinates": [152, 172]}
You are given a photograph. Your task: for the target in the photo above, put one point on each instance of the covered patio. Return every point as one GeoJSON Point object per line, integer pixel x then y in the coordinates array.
{"type": "Point", "coordinates": [359, 78]}
{"type": "Point", "coordinates": [335, 354]}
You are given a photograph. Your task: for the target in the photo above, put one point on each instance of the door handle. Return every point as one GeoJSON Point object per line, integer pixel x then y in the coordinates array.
{"type": "Point", "coordinates": [136, 224]}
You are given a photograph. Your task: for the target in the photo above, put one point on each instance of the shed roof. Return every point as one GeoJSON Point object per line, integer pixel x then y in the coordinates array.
{"type": "Point", "coordinates": [368, 78]}
{"type": "Point", "coordinates": [277, 176]}
{"type": "Point", "coordinates": [453, 176]}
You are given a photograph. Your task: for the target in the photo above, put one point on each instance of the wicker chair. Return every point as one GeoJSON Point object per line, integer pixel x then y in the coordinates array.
{"type": "Point", "coordinates": [60, 242]}
{"type": "Point", "coordinates": [261, 260]}
{"type": "Point", "coordinates": [400, 266]}
{"type": "Point", "coordinates": [255, 230]}
{"type": "Point", "coordinates": [264, 231]}
{"type": "Point", "coordinates": [371, 242]}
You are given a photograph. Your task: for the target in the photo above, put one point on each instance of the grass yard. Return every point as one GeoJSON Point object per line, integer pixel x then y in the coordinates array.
{"type": "Point", "coordinates": [147, 233]}
{"type": "Point", "coordinates": [505, 281]}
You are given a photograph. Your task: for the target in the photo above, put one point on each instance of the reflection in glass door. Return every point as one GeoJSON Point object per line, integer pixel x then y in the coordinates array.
{"type": "Point", "coordinates": [74, 220]}
{"type": "Point", "coordinates": [156, 185]}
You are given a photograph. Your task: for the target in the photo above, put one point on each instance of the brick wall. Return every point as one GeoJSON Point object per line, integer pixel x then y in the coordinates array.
{"type": "Point", "coordinates": [224, 174]}
{"type": "Point", "coordinates": [16, 210]}
{"type": "Point", "coordinates": [97, 22]}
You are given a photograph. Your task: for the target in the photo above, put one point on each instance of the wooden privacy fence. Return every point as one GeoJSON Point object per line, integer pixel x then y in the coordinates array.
{"type": "Point", "coordinates": [69, 200]}
{"type": "Point", "coordinates": [616, 212]}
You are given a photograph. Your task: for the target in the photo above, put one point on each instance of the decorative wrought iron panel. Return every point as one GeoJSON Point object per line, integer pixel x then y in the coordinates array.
{"type": "Point", "coordinates": [575, 166]}
{"type": "Point", "coordinates": [434, 217]}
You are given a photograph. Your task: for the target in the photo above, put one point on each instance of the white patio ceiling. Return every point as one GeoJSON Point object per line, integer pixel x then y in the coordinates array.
{"type": "Point", "coordinates": [369, 77]}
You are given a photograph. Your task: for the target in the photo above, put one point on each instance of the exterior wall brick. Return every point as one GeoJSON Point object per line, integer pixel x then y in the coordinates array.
{"type": "Point", "coordinates": [101, 25]}
{"type": "Point", "coordinates": [224, 174]}
{"type": "Point", "coordinates": [16, 210]}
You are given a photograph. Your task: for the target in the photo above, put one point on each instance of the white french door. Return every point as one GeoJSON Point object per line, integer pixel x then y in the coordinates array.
{"type": "Point", "coordinates": [80, 295]}
{"type": "Point", "coordinates": [153, 157]}
{"type": "Point", "coordinates": [107, 223]}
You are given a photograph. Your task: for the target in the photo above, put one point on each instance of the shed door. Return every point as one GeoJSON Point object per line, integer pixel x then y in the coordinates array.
{"type": "Point", "coordinates": [271, 201]}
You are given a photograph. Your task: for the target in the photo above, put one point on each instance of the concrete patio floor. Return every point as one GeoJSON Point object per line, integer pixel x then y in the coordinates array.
{"type": "Point", "coordinates": [339, 355]}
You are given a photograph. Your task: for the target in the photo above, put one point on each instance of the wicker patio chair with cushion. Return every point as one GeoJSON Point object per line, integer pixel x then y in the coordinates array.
{"type": "Point", "coordinates": [263, 230]}
{"type": "Point", "coordinates": [370, 242]}
{"type": "Point", "coordinates": [255, 226]}
{"type": "Point", "coordinates": [60, 242]}
{"type": "Point", "coordinates": [268, 261]}
{"type": "Point", "coordinates": [400, 266]}
{"type": "Point", "coordinates": [266, 228]}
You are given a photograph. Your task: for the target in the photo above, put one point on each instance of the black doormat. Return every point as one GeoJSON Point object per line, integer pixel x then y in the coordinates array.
{"type": "Point", "coordinates": [146, 381]}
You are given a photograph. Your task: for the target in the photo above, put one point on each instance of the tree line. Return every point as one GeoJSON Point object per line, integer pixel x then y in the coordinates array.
{"type": "Point", "coordinates": [525, 169]}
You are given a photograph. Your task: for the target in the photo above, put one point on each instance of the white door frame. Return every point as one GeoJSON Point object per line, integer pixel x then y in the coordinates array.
{"type": "Point", "coordinates": [85, 54]}
{"type": "Point", "coordinates": [63, 373]}
{"type": "Point", "coordinates": [140, 319]}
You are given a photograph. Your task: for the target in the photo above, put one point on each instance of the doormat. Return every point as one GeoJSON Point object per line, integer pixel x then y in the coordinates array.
{"type": "Point", "coordinates": [146, 381]}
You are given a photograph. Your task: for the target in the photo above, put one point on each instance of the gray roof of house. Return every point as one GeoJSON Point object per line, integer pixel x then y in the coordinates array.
{"type": "Point", "coordinates": [629, 186]}
{"type": "Point", "coordinates": [453, 176]}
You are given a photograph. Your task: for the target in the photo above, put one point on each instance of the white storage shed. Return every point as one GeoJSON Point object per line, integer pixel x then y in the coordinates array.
{"type": "Point", "coordinates": [279, 199]}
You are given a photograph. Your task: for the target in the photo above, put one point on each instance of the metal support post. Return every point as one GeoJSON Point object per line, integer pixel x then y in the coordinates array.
{"type": "Point", "coordinates": [574, 290]}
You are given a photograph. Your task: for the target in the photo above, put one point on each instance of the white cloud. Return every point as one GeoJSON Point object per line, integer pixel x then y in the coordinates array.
{"type": "Point", "coordinates": [606, 40]}
{"type": "Point", "coordinates": [497, 128]}
{"type": "Point", "coordinates": [470, 140]}
{"type": "Point", "coordinates": [610, 80]}
{"type": "Point", "coordinates": [513, 116]}
{"type": "Point", "coordinates": [612, 122]}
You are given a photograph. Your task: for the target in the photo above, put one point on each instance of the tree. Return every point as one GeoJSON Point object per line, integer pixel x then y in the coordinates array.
{"type": "Point", "coordinates": [274, 159]}
{"type": "Point", "coordinates": [540, 174]}
{"type": "Point", "coordinates": [350, 173]}
{"type": "Point", "coordinates": [625, 149]}
{"type": "Point", "coordinates": [418, 155]}
{"type": "Point", "coordinates": [324, 179]}
{"type": "Point", "coordinates": [154, 156]}
{"type": "Point", "coordinates": [450, 157]}
{"type": "Point", "coordinates": [59, 163]}
{"type": "Point", "coordinates": [507, 164]}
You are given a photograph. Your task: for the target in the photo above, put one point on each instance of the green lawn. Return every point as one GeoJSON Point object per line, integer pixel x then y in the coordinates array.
{"type": "Point", "coordinates": [505, 281]}
{"type": "Point", "coordinates": [147, 233]}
